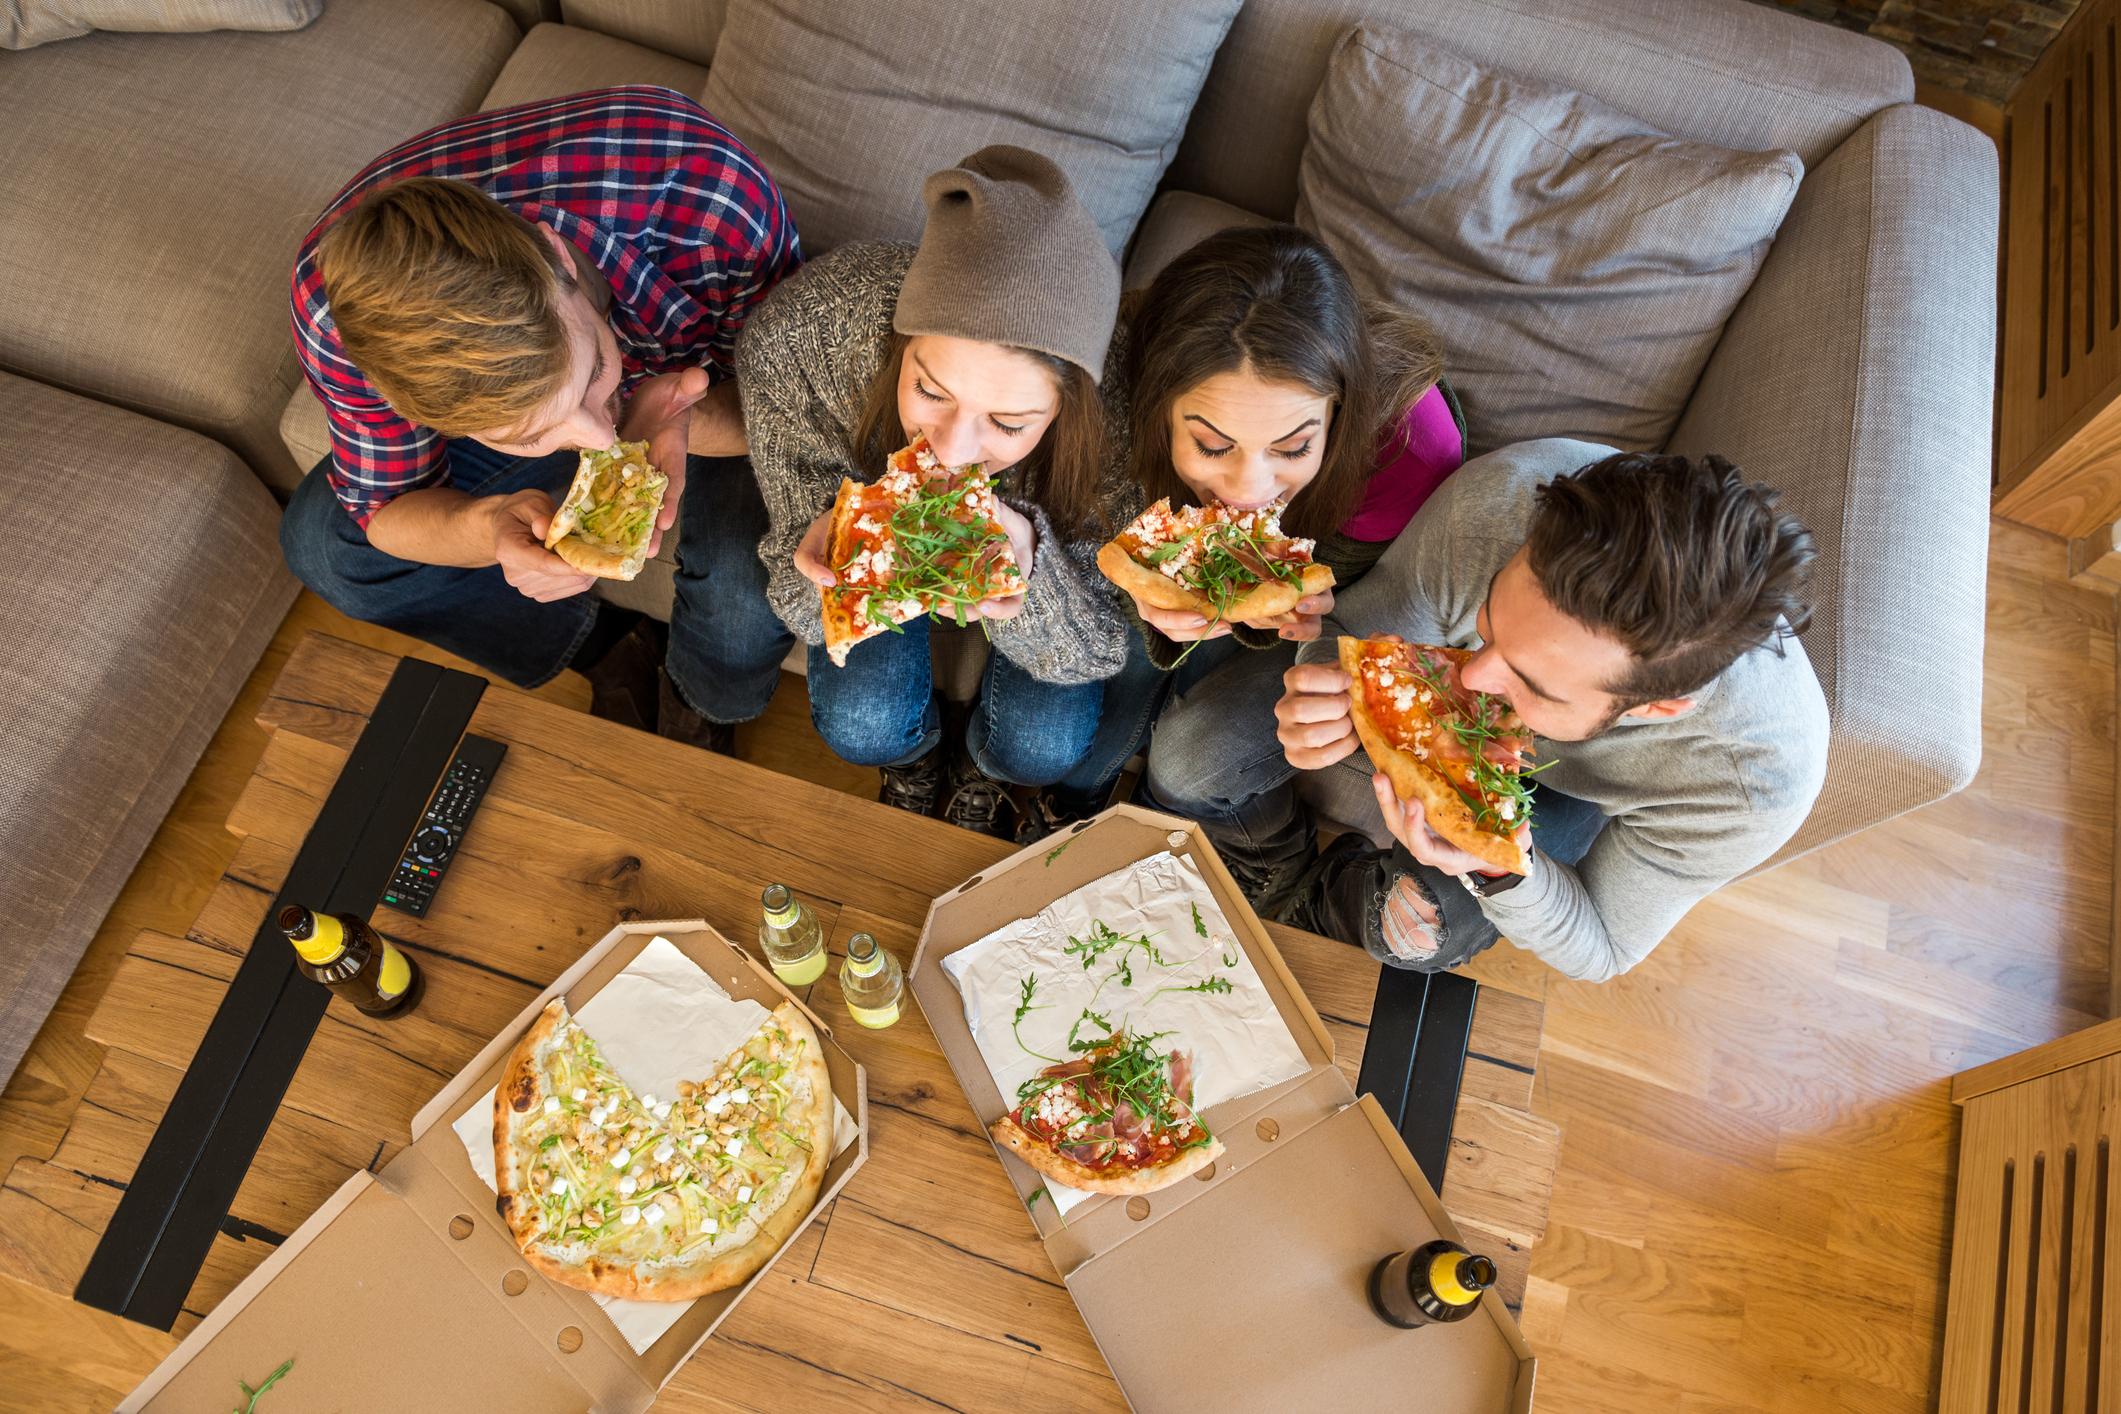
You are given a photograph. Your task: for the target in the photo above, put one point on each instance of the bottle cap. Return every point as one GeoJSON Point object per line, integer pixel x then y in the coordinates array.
{"type": "Point", "coordinates": [782, 908]}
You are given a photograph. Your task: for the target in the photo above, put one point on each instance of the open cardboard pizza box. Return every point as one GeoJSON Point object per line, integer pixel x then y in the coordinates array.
{"type": "Point", "coordinates": [406, 1292]}
{"type": "Point", "coordinates": [1243, 1289]}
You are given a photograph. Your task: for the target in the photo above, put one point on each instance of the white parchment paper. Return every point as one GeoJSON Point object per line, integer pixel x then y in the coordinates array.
{"type": "Point", "coordinates": [660, 1021]}
{"type": "Point", "coordinates": [1238, 1042]}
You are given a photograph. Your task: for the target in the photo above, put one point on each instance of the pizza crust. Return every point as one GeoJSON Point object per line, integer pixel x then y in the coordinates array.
{"type": "Point", "coordinates": [1262, 601]}
{"type": "Point", "coordinates": [1053, 1164]}
{"type": "Point", "coordinates": [522, 1090]}
{"type": "Point", "coordinates": [842, 630]}
{"type": "Point", "coordinates": [1448, 814]}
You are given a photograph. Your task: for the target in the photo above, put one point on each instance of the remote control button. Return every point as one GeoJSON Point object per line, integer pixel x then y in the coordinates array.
{"type": "Point", "coordinates": [430, 844]}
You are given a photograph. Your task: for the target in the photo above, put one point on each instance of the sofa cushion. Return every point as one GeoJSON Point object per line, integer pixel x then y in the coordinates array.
{"type": "Point", "coordinates": [25, 24]}
{"type": "Point", "coordinates": [1578, 265]}
{"type": "Point", "coordinates": [687, 28]}
{"type": "Point", "coordinates": [148, 230]}
{"type": "Point", "coordinates": [1179, 221]}
{"type": "Point", "coordinates": [851, 106]}
{"type": "Point", "coordinates": [119, 665]}
{"type": "Point", "coordinates": [1723, 71]}
{"type": "Point", "coordinates": [557, 59]}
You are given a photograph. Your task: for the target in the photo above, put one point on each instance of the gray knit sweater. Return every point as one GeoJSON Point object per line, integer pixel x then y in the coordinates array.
{"type": "Point", "coordinates": [805, 359]}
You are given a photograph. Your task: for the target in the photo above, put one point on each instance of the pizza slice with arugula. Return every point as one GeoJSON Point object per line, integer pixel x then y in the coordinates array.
{"type": "Point", "coordinates": [1117, 1118]}
{"type": "Point", "coordinates": [922, 538]}
{"type": "Point", "coordinates": [1225, 565]}
{"type": "Point", "coordinates": [1464, 755]}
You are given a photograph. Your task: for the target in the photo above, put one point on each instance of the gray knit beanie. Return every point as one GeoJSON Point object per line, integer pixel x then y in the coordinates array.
{"type": "Point", "coordinates": [1009, 256]}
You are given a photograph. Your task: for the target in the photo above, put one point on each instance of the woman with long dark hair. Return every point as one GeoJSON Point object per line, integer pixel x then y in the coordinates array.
{"type": "Point", "coordinates": [1255, 374]}
{"type": "Point", "coordinates": [989, 340]}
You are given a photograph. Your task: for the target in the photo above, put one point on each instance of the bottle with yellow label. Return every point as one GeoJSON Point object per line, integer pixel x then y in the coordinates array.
{"type": "Point", "coordinates": [1436, 1282]}
{"type": "Point", "coordinates": [871, 982]}
{"type": "Point", "coordinates": [789, 936]}
{"type": "Point", "coordinates": [352, 959]}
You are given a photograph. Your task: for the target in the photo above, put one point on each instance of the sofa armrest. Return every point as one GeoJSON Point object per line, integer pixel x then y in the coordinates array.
{"type": "Point", "coordinates": [1858, 378]}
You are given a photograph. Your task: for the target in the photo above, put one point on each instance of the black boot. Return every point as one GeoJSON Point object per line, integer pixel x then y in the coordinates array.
{"type": "Point", "coordinates": [1053, 809]}
{"type": "Point", "coordinates": [623, 669]}
{"type": "Point", "coordinates": [915, 786]}
{"type": "Point", "coordinates": [971, 799]}
{"type": "Point", "coordinates": [680, 723]}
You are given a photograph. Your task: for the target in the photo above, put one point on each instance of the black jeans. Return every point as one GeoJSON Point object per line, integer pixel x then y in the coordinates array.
{"type": "Point", "coordinates": [726, 645]}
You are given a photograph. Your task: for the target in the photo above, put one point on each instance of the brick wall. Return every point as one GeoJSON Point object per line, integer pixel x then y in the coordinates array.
{"type": "Point", "coordinates": [1981, 47]}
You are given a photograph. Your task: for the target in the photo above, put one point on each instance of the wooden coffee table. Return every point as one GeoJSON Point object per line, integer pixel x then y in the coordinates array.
{"type": "Point", "coordinates": [924, 1284]}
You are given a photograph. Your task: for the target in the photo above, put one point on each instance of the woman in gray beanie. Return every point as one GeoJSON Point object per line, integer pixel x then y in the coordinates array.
{"type": "Point", "coordinates": [989, 339]}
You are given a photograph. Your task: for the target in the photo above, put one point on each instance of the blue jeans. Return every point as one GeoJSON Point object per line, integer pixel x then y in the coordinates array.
{"type": "Point", "coordinates": [1213, 757]}
{"type": "Point", "coordinates": [726, 644]}
{"type": "Point", "coordinates": [880, 710]}
{"type": "Point", "coordinates": [1132, 699]}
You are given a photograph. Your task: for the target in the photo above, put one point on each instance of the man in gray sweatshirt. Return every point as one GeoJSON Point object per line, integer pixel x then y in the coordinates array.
{"type": "Point", "coordinates": [1639, 614]}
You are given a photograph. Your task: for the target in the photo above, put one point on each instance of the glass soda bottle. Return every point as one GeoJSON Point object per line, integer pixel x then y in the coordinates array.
{"type": "Point", "coordinates": [352, 959]}
{"type": "Point", "coordinates": [790, 937]}
{"type": "Point", "coordinates": [1436, 1282]}
{"type": "Point", "coordinates": [871, 982]}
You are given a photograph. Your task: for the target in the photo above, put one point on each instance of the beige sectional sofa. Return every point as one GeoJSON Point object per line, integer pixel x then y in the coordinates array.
{"type": "Point", "coordinates": [156, 186]}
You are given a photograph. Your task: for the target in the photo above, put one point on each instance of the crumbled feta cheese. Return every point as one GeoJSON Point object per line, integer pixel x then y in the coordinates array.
{"type": "Point", "coordinates": [743, 1193]}
{"type": "Point", "coordinates": [735, 1145]}
{"type": "Point", "coordinates": [695, 1141]}
{"type": "Point", "coordinates": [629, 1215]}
{"type": "Point", "coordinates": [622, 1158]}
{"type": "Point", "coordinates": [663, 1151]}
{"type": "Point", "coordinates": [656, 1215]}
{"type": "Point", "coordinates": [662, 1111]}
{"type": "Point", "coordinates": [741, 1095]}
{"type": "Point", "coordinates": [710, 1226]}
{"type": "Point", "coordinates": [559, 1185]}
{"type": "Point", "coordinates": [627, 1185]}
{"type": "Point", "coordinates": [647, 1102]}
{"type": "Point", "coordinates": [552, 1104]}
{"type": "Point", "coordinates": [580, 1094]}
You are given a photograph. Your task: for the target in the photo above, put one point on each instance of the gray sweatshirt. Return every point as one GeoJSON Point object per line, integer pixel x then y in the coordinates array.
{"type": "Point", "coordinates": [1692, 801]}
{"type": "Point", "coordinates": [806, 357]}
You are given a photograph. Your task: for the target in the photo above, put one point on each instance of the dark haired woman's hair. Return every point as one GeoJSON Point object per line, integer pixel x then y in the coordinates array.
{"type": "Point", "coordinates": [1060, 474]}
{"type": "Point", "coordinates": [1273, 299]}
{"type": "Point", "coordinates": [1686, 563]}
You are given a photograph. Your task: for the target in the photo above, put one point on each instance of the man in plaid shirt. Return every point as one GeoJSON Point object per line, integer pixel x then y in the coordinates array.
{"type": "Point", "coordinates": [495, 293]}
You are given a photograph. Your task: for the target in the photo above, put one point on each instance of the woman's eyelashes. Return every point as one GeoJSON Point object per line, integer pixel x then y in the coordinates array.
{"type": "Point", "coordinates": [930, 394]}
{"type": "Point", "coordinates": [1297, 454]}
{"type": "Point", "coordinates": [1007, 429]}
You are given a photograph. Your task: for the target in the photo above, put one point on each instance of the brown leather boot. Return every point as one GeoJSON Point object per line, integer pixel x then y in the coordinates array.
{"type": "Point", "coordinates": [680, 723]}
{"type": "Point", "coordinates": [622, 683]}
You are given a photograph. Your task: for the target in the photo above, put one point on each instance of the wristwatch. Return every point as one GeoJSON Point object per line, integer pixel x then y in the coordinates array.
{"type": "Point", "coordinates": [1481, 884]}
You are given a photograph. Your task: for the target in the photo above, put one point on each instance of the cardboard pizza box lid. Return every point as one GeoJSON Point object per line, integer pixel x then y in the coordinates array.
{"type": "Point", "coordinates": [1269, 1250]}
{"type": "Point", "coordinates": [359, 1292]}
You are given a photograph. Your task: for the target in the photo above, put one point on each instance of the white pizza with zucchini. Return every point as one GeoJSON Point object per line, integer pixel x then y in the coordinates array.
{"type": "Point", "coordinates": [659, 1199]}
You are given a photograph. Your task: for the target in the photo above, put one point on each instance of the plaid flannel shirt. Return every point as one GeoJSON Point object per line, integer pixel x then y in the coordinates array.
{"type": "Point", "coordinates": [681, 218]}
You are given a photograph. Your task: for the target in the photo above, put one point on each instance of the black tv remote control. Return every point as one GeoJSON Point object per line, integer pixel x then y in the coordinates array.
{"type": "Point", "coordinates": [435, 839]}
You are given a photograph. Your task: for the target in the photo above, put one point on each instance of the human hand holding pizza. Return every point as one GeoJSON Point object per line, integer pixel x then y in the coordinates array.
{"type": "Point", "coordinates": [1300, 624]}
{"type": "Point", "coordinates": [1409, 824]}
{"type": "Point", "coordinates": [1312, 720]}
{"type": "Point", "coordinates": [810, 553]}
{"type": "Point", "coordinates": [660, 414]}
{"type": "Point", "coordinates": [519, 524]}
{"type": "Point", "coordinates": [1180, 625]}
{"type": "Point", "coordinates": [1023, 541]}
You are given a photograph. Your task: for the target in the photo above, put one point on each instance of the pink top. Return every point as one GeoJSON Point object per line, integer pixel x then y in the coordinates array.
{"type": "Point", "coordinates": [1410, 465]}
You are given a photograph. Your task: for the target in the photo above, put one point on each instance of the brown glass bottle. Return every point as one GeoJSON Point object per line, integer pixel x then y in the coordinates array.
{"type": "Point", "coordinates": [348, 956]}
{"type": "Point", "coordinates": [1436, 1282]}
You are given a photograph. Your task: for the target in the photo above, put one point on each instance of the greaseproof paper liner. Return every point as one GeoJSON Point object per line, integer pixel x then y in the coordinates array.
{"type": "Point", "coordinates": [1237, 1040]}
{"type": "Point", "coordinates": [660, 1021]}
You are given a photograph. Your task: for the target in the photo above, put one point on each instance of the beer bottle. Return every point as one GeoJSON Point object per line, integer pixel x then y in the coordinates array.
{"type": "Point", "coordinates": [348, 956]}
{"type": "Point", "coordinates": [790, 937]}
{"type": "Point", "coordinates": [871, 982]}
{"type": "Point", "coordinates": [1437, 1281]}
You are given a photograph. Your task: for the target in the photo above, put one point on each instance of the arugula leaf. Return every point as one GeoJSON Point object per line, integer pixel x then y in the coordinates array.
{"type": "Point", "coordinates": [1229, 959]}
{"type": "Point", "coordinates": [252, 1396]}
{"type": "Point", "coordinates": [1200, 925]}
{"type": "Point", "coordinates": [1055, 852]}
{"type": "Point", "coordinates": [1103, 1022]}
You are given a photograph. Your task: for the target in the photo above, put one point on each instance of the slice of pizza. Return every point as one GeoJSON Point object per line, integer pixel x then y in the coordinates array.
{"type": "Point", "coordinates": [922, 538]}
{"type": "Point", "coordinates": [652, 1199]}
{"type": "Point", "coordinates": [1224, 565]}
{"type": "Point", "coordinates": [1464, 755]}
{"type": "Point", "coordinates": [1117, 1119]}
{"type": "Point", "coordinates": [604, 526]}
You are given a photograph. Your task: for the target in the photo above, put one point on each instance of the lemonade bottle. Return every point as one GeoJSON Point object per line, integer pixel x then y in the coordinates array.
{"type": "Point", "coordinates": [790, 937]}
{"type": "Point", "coordinates": [871, 982]}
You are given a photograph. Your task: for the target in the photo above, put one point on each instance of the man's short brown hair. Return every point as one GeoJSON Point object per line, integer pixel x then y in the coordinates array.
{"type": "Point", "coordinates": [448, 302]}
{"type": "Point", "coordinates": [1685, 563]}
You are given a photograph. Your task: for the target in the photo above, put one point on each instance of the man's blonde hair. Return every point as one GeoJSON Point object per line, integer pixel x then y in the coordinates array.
{"type": "Point", "coordinates": [448, 302]}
